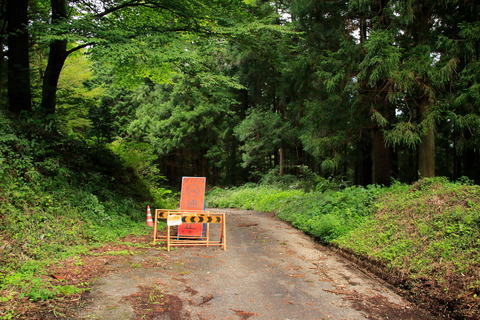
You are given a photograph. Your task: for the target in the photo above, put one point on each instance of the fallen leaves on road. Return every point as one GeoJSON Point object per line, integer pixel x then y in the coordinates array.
{"type": "Point", "coordinates": [243, 314]}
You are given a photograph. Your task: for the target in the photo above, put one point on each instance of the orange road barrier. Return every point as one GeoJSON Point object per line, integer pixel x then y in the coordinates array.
{"type": "Point", "coordinates": [180, 217]}
{"type": "Point", "coordinates": [149, 217]}
{"type": "Point", "coordinates": [190, 226]}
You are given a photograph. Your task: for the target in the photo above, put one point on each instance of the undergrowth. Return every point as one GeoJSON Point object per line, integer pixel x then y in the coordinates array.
{"type": "Point", "coordinates": [324, 215]}
{"type": "Point", "coordinates": [428, 235]}
{"type": "Point", "coordinates": [425, 236]}
{"type": "Point", "coordinates": [58, 198]}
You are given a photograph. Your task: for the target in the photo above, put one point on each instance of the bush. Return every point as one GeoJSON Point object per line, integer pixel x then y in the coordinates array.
{"type": "Point", "coordinates": [325, 215]}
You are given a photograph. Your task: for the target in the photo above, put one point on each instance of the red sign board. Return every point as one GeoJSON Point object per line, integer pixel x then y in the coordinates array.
{"type": "Point", "coordinates": [192, 197]}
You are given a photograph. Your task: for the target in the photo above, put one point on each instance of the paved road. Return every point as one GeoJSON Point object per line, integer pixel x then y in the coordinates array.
{"type": "Point", "coordinates": [269, 271]}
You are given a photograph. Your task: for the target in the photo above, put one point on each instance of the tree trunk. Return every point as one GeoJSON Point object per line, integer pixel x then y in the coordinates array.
{"type": "Point", "coordinates": [281, 159]}
{"type": "Point", "coordinates": [469, 161]}
{"type": "Point", "coordinates": [204, 166]}
{"type": "Point", "coordinates": [56, 60]}
{"type": "Point", "coordinates": [426, 151]}
{"type": "Point", "coordinates": [3, 31]}
{"type": "Point", "coordinates": [363, 168]}
{"type": "Point", "coordinates": [19, 94]}
{"type": "Point", "coordinates": [382, 160]}
{"type": "Point", "coordinates": [2, 63]}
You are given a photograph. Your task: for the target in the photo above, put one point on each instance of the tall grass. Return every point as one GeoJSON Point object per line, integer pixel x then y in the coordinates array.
{"type": "Point", "coordinates": [324, 215]}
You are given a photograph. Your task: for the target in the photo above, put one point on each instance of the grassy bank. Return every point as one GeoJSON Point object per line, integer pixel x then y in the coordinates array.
{"type": "Point", "coordinates": [59, 197]}
{"type": "Point", "coordinates": [424, 236]}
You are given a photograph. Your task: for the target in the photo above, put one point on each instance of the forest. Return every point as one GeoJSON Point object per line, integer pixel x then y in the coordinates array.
{"type": "Point", "coordinates": [363, 91]}
{"type": "Point", "coordinates": [355, 121]}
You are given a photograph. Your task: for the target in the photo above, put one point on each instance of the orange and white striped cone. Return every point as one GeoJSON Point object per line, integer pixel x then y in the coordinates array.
{"type": "Point", "coordinates": [149, 217]}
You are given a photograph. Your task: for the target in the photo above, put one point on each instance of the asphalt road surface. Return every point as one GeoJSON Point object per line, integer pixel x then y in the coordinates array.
{"type": "Point", "coordinates": [269, 271]}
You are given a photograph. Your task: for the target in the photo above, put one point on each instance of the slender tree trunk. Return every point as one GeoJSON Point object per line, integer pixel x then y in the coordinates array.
{"type": "Point", "coordinates": [382, 159]}
{"type": "Point", "coordinates": [363, 171]}
{"type": "Point", "coordinates": [56, 60]}
{"type": "Point", "coordinates": [281, 150]}
{"type": "Point", "coordinates": [19, 94]}
{"type": "Point", "coordinates": [204, 166]}
{"type": "Point", "coordinates": [471, 168]}
{"type": "Point", "coordinates": [426, 151]}
{"type": "Point", "coordinates": [469, 160]}
{"type": "Point", "coordinates": [281, 159]}
{"type": "Point", "coordinates": [3, 31]}
{"type": "Point", "coordinates": [2, 62]}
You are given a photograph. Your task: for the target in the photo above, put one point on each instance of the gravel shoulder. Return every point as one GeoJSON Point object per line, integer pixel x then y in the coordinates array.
{"type": "Point", "coordinates": [269, 271]}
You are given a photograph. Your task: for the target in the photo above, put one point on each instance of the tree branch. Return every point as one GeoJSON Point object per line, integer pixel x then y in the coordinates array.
{"type": "Point", "coordinates": [137, 3]}
{"type": "Point", "coordinates": [68, 52]}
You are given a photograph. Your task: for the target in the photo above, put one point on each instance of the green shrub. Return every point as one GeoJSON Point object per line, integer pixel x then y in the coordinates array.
{"type": "Point", "coordinates": [325, 215]}
{"type": "Point", "coordinates": [330, 214]}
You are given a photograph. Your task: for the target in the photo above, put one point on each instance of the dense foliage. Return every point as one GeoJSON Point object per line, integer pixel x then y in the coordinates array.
{"type": "Point", "coordinates": [57, 199]}
{"type": "Point", "coordinates": [423, 238]}
{"type": "Point", "coordinates": [366, 91]}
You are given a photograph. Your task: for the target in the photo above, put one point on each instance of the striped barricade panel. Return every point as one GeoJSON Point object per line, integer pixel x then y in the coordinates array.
{"type": "Point", "coordinates": [177, 218]}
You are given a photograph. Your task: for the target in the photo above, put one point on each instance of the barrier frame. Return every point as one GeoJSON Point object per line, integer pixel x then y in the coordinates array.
{"type": "Point", "coordinates": [195, 216]}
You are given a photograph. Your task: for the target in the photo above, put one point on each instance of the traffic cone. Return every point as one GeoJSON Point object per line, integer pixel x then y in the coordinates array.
{"type": "Point", "coordinates": [149, 217]}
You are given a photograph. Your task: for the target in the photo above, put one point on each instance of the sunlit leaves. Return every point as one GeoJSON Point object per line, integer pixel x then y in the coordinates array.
{"type": "Point", "coordinates": [74, 98]}
{"type": "Point", "coordinates": [136, 60]}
